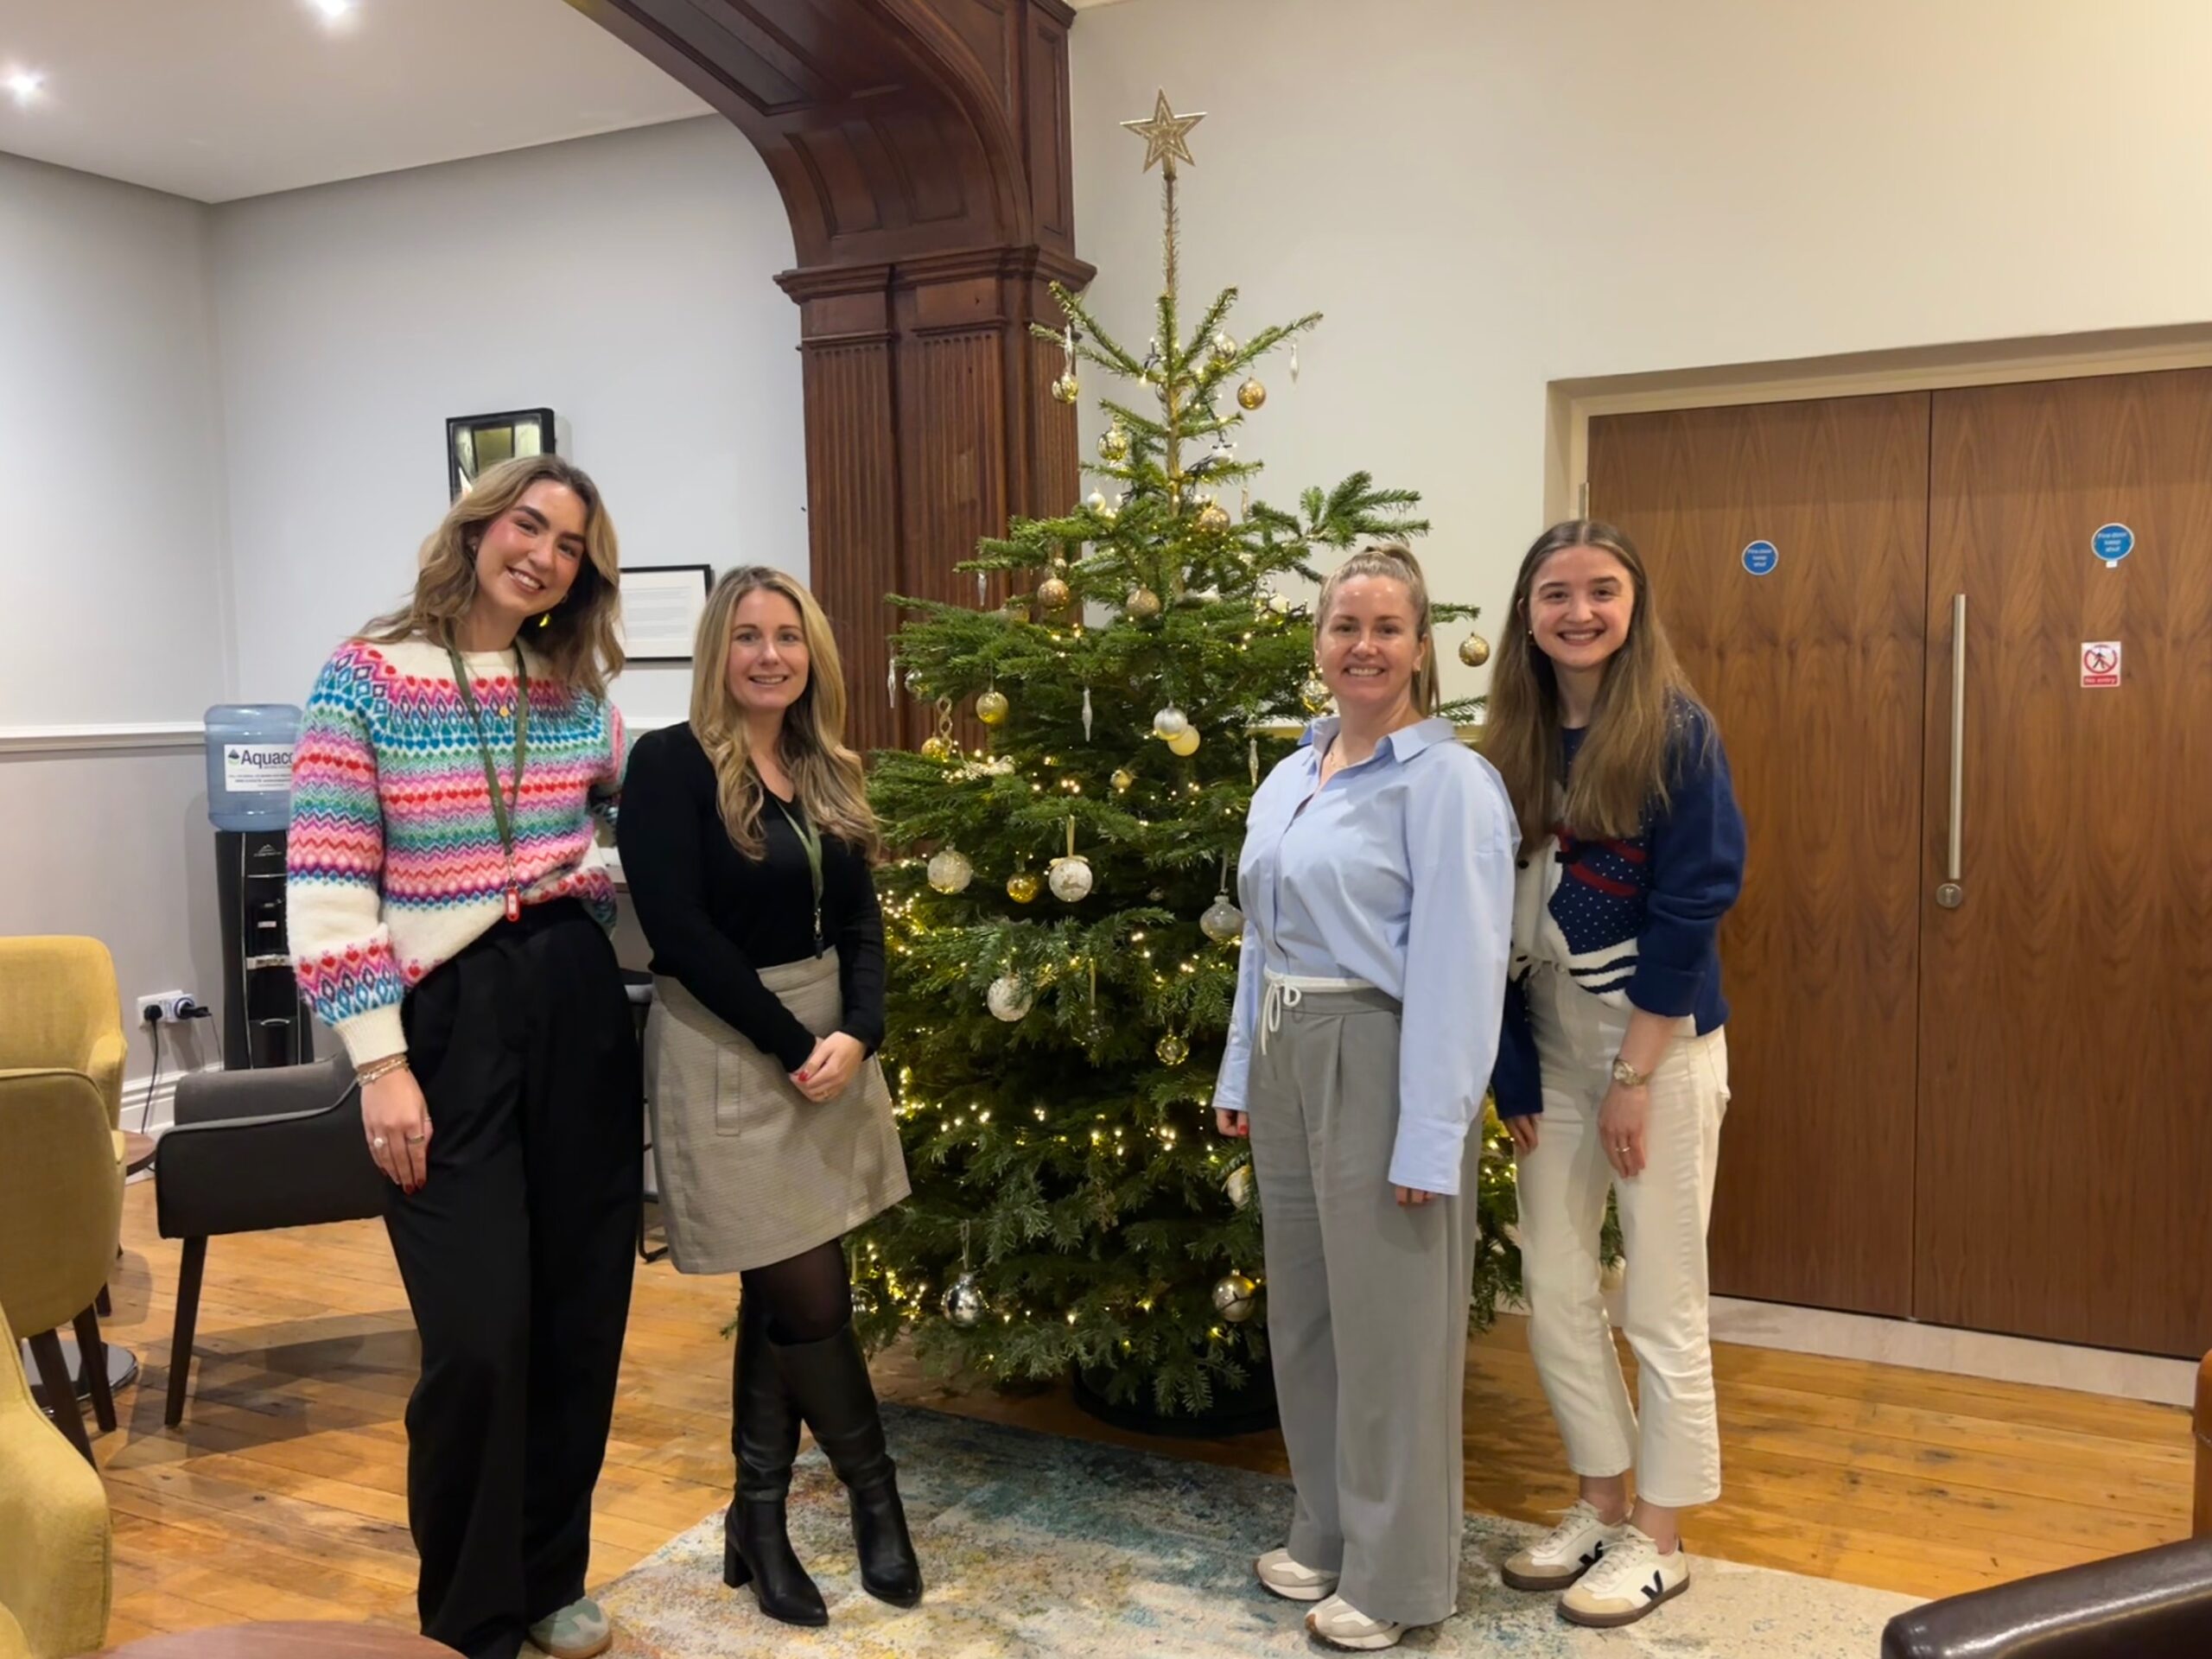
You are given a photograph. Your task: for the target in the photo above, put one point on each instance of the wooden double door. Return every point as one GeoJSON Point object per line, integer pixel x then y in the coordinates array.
{"type": "Point", "coordinates": [1977, 1095]}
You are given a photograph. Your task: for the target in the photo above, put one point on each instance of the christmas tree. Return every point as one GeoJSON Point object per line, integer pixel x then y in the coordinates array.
{"type": "Point", "coordinates": [1063, 961]}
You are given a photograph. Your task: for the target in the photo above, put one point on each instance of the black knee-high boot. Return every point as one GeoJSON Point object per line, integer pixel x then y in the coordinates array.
{"type": "Point", "coordinates": [829, 1379]}
{"type": "Point", "coordinates": [764, 1433]}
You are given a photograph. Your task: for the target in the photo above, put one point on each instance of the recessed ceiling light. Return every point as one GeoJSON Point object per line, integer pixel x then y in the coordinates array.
{"type": "Point", "coordinates": [334, 9]}
{"type": "Point", "coordinates": [24, 83]}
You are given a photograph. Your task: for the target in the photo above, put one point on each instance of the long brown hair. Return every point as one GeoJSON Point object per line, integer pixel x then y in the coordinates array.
{"type": "Point", "coordinates": [1395, 560]}
{"type": "Point", "coordinates": [1645, 709]}
{"type": "Point", "coordinates": [581, 643]}
{"type": "Point", "coordinates": [831, 785]}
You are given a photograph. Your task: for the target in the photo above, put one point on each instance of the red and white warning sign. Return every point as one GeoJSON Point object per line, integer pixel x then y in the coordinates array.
{"type": "Point", "coordinates": [2100, 664]}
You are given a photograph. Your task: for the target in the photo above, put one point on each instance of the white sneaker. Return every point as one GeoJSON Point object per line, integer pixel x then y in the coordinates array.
{"type": "Point", "coordinates": [1632, 1579]}
{"type": "Point", "coordinates": [1340, 1624]}
{"type": "Point", "coordinates": [1564, 1554]}
{"type": "Point", "coordinates": [1279, 1573]}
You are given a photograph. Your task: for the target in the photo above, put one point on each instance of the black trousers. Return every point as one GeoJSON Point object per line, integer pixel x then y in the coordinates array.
{"type": "Point", "coordinates": [516, 1255]}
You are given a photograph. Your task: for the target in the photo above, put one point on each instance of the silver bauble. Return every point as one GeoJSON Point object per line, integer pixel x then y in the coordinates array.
{"type": "Point", "coordinates": [963, 1302]}
{"type": "Point", "coordinates": [949, 870]}
{"type": "Point", "coordinates": [1008, 998]}
{"type": "Point", "coordinates": [1070, 877]}
{"type": "Point", "coordinates": [1223, 921]}
{"type": "Point", "coordinates": [1170, 721]}
{"type": "Point", "coordinates": [1233, 1298]}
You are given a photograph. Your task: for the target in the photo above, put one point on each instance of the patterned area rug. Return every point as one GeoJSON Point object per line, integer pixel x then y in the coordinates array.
{"type": "Point", "coordinates": [1037, 1546]}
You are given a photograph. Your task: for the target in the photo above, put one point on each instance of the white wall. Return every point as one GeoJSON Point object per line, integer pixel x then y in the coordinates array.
{"type": "Point", "coordinates": [221, 439]}
{"type": "Point", "coordinates": [111, 555]}
{"type": "Point", "coordinates": [111, 455]}
{"type": "Point", "coordinates": [1489, 195]}
{"type": "Point", "coordinates": [624, 281]}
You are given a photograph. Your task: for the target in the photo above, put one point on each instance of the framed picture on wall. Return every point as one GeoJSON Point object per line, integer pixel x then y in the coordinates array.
{"type": "Point", "coordinates": [661, 606]}
{"type": "Point", "coordinates": [476, 442]}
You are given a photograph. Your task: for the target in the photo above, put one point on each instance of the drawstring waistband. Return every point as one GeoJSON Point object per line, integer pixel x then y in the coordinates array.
{"type": "Point", "coordinates": [1288, 990]}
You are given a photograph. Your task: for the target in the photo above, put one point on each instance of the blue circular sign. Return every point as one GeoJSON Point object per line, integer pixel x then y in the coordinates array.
{"type": "Point", "coordinates": [1761, 557]}
{"type": "Point", "coordinates": [2112, 542]}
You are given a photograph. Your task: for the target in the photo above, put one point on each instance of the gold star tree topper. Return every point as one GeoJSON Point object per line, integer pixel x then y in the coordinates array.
{"type": "Point", "coordinates": [1167, 136]}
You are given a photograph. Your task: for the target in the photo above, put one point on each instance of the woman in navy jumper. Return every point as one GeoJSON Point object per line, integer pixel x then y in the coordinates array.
{"type": "Point", "coordinates": [1613, 1070]}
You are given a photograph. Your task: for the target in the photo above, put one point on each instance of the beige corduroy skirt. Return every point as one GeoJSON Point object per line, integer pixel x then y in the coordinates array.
{"type": "Point", "coordinates": [751, 1171]}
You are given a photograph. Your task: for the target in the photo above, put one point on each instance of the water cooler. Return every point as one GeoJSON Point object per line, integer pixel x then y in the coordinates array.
{"type": "Point", "coordinates": [265, 1022]}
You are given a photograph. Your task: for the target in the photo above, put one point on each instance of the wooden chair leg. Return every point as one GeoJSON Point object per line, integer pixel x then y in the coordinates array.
{"type": "Point", "coordinates": [187, 1323]}
{"type": "Point", "coordinates": [91, 1350]}
{"type": "Point", "coordinates": [60, 1394]}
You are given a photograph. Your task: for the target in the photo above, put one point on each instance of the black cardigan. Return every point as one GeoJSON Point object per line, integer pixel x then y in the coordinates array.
{"type": "Point", "coordinates": [715, 918]}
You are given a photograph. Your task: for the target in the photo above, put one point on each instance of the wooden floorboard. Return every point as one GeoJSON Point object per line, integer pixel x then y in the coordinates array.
{"type": "Point", "coordinates": [283, 1496]}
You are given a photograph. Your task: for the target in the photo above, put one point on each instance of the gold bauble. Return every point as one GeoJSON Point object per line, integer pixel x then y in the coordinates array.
{"type": "Point", "coordinates": [1172, 1050]}
{"type": "Point", "coordinates": [1142, 604]}
{"type": "Point", "coordinates": [991, 708]}
{"type": "Point", "coordinates": [1067, 389]}
{"type": "Point", "coordinates": [1313, 695]}
{"type": "Point", "coordinates": [1235, 1297]}
{"type": "Point", "coordinates": [1474, 650]}
{"type": "Point", "coordinates": [1185, 742]}
{"type": "Point", "coordinates": [1213, 516]}
{"type": "Point", "coordinates": [1017, 607]}
{"type": "Point", "coordinates": [1021, 887]}
{"type": "Point", "coordinates": [936, 748]}
{"type": "Point", "coordinates": [1123, 778]}
{"type": "Point", "coordinates": [1053, 593]}
{"type": "Point", "coordinates": [1113, 442]}
{"type": "Point", "coordinates": [1251, 395]}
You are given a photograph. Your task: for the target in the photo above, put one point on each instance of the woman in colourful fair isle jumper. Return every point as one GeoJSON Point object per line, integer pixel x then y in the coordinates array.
{"type": "Point", "coordinates": [1377, 881]}
{"type": "Point", "coordinates": [748, 840]}
{"type": "Point", "coordinates": [448, 917]}
{"type": "Point", "coordinates": [1634, 853]}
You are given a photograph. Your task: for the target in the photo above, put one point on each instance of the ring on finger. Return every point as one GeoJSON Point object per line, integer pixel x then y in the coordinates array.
{"type": "Point", "coordinates": [378, 1142]}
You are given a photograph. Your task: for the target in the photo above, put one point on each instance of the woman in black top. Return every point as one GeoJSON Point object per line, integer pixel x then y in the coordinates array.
{"type": "Point", "coordinates": [748, 841]}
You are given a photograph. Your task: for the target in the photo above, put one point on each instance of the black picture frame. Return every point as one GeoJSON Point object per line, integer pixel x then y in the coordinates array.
{"type": "Point", "coordinates": [656, 620]}
{"type": "Point", "coordinates": [475, 442]}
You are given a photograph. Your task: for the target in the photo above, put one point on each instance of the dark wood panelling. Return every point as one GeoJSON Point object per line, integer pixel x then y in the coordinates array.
{"type": "Point", "coordinates": [1814, 673]}
{"type": "Point", "coordinates": [2065, 1132]}
{"type": "Point", "coordinates": [921, 148]}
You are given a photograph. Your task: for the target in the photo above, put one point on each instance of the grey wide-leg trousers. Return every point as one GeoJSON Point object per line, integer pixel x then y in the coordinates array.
{"type": "Point", "coordinates": [1367, 1307]}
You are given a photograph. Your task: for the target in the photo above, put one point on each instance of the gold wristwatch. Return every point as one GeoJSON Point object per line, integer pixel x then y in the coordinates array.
{"type": "Point", "coordinates": [1627, 1076]}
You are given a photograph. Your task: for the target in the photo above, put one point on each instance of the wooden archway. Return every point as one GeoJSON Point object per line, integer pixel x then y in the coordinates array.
{"type": "Point", "coordinates": [922, 150]}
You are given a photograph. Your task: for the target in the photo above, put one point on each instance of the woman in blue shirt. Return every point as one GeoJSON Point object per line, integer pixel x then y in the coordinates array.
{"type": "Point", "coordinates": [1613, 1035]}
{"type": "Point", "coordinates": [1377, 882]}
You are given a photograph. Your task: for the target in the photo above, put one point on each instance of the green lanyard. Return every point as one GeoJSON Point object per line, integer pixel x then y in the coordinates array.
{"type": "Point", "coordinates": [810, 840]}
{"type": "Point", "coordinates": [499, 808]}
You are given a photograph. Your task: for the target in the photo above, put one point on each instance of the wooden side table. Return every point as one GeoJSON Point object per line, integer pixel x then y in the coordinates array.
{"type": "Point", "coordinates": [304, 1641]}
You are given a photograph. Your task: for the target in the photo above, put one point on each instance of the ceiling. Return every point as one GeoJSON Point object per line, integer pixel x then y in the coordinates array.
{"type": "Point", "coordinates": [215, 99]}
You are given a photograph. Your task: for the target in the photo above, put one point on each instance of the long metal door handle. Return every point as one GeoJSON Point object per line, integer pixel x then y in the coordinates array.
{"type": "Point", "coordinates": [1953, 893]}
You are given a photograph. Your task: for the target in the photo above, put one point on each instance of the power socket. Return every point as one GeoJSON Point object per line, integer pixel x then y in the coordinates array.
{"type": "Point", "coordinates": [172, 1006]}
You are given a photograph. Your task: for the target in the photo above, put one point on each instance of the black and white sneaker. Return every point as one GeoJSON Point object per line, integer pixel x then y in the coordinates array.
{"type": "Point", "coordinates": [1631, 1580]}
{"type": "Point", "coordinates": [1578, 1543]}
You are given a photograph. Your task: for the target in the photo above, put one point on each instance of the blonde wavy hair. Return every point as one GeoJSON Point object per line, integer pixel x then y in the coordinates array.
{"type": "Point", "coordinates": [581, 643]}
{"type": "Point", "coordinates": [1627, 765]}
{"type": "Point", "coordinates": [1395, 560]}
{"type": "Point", "coordinates": [830, 784]}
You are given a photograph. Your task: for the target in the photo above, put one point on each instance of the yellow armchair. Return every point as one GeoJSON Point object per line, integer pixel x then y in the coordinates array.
{"type": "Point", "coordinates": [62, 1010]}
{"type": "Point", "coordinates": [56, 1544]}
{"type": "Point", "coordinates": [60, 1216]}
